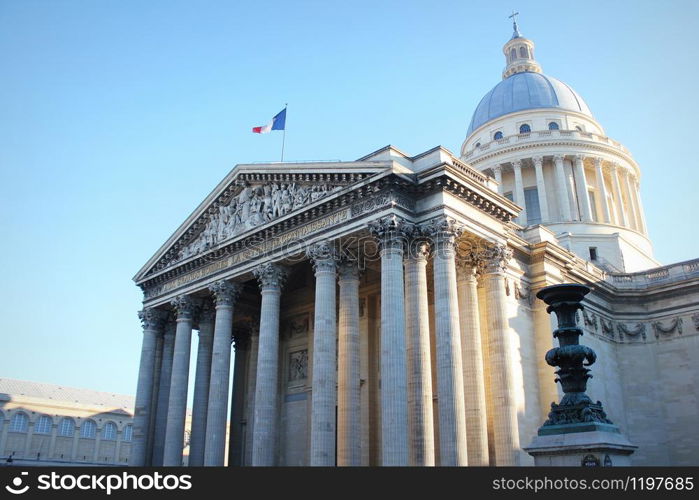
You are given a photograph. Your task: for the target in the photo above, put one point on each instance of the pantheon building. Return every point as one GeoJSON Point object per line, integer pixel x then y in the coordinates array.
{"type": "Point", "coordinates": [382, 311]}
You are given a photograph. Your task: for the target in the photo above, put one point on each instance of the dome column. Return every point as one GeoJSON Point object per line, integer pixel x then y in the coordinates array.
{"type": "Point", "coordinates": [519, 192]}
{"type": "Point", "coordinates": [581, 188]}
{"type": "Point", "coordinates": [561, 189]}
{"type": "Point", "coordinates": [639, 205]}
{"type": "Point", "coordinates": [636, 224]}
{"type": "Point", "coordinates": [602, 190]}
{"type": "Point", "coordinates": [497, 170]}
{"type": "Point", "coordinates": [541, 188]}
{"type": "Point", "coordinates": [621, 213]}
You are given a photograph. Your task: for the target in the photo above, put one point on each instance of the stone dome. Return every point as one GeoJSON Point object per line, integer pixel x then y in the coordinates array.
{"type": "Point", "coordinates": [526, 90]}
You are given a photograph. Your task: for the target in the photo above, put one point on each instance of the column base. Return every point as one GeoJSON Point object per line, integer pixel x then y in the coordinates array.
{"type": "Point", "coordinates": [582, 444]}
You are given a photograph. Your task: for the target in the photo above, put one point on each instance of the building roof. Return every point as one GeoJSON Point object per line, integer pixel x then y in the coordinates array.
{"type": "Point", "coordinates": [523, 91]}
{"type": "Point", "coordinates": [13, 388]}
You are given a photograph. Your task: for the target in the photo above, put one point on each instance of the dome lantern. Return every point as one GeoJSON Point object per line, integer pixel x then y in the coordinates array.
{"type": "Point", "coordinates": [519, 53]}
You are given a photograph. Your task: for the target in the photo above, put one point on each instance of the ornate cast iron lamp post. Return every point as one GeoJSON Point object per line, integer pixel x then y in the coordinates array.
{"type": "Point", "coordinates": [571, 358]}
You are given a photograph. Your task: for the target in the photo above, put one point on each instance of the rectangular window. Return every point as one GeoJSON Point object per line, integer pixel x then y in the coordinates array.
{"type": "Point", "coordinates": [531, 203]}
{"type": "Point", "coordinates": [593, 253]}
{"type": "Point", "coordinates": [593, 205]}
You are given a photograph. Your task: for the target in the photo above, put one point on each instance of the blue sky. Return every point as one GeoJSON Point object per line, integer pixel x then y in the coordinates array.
{"type": "Point", "coordinates": [118, 117]}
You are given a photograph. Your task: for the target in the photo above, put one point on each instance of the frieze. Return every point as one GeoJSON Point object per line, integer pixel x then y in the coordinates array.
{"type": "Point", "coordinates": [660, 329]}
{"type": "Point", "coordinates": [245, 255]}
{"type": "Point", "coordinates": [590, 320]}
{"type": "Point", "coordinates": [254, 205]}
{"type": "Point", "coordinates": [633, 332]}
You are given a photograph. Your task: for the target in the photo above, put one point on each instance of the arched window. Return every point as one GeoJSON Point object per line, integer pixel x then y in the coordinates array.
{"type": "Point", "coordinates": [43, 425]}
{"type": "Point", "coordinates": [498, 135]}
{"type": "Point", "coordinates": [524, 128]}
{"type": "Point", "coordinates": [88, 429]}
{"type": "Point", "coordinates": [109, 432]}
{"type": "Point", "coordinates": [128, 433]}
{"type": "Point", "coordinates": [553, 126]}
{"type": "Point", "coordinates": [478, 145]}
{"type": "Point", "coordinates": [67, 427]}
{"type": "Point", "coordinates": [513, 54]}
{"type": "Point", "coordinates": [19, 422]}
{"type": "Point", "coordinates": [578, 128]}
{"type": "Point", "coordinates": [523, 52]}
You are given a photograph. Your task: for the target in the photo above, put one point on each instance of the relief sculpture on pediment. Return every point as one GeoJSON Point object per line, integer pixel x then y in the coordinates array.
{"type": "Point", "coordinates": [254, 206]}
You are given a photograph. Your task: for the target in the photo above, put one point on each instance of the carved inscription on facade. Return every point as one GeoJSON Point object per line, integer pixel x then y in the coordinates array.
{"type": "Point", "coordinates": [257, 249]}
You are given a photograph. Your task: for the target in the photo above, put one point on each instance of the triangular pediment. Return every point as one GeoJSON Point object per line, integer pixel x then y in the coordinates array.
{"type": "Point", "coordinates": [254, 196]}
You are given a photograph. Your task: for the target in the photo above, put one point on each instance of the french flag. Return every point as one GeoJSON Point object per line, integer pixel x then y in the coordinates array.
{"type": "Point", "coordinates": [277, 123]}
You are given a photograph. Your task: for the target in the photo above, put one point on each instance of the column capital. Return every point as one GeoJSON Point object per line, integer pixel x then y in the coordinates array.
{"type": "Point", "coordinates": [558, 158]}
{"type": "Point", "coordinates": [184, 306]}
{"type": "Point", "coordinates": [517, 164]}
{"type": "Point", "coordinates": [348, 270]}
{"type": "Point", "coordinates": [494, 259]}
{"type": "Point", "coordinates": [390, 231]}
{"type": "Point", "coordinates": [443, 230]}
{"type": "Point", "coordinates": [579, 158]}
{"type": "Point", "coordinates": [613, 166]}
{"type": "Point", "coordinates": [496, 168]}
{"type": "Point", "coordinates": [270, 275]}
{"type": "Point", "coordinates": [323, 256]}
{"type": "Point", "coordinates": [598, 161]}
{"type": "Point", "coordinates": [467, 269]}
{"type": "Point", "coordinates": [225, 292]}
{"type": "Point", "coordinates": [151, 318]}
{"type": "Point", "coordinates": [538, 160]}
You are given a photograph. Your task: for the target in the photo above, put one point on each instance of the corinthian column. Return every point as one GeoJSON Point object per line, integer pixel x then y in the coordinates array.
{"type": "Point", "coordinates": [271, 278]}
{"type": "Point", "coordinates": [348, 396]}
{"type": "Point", "coordinates": [581, 185]}
{"type": "Point", "coordinates": [152, 320]}
{"type": "Point", "coordinates": [324, 356]}
{"type": "Point", "coordinates": [472, 354]}
{"type": "Point", "coordinates": [251, 379]}
{"type": "Point", "coordinates": [562, 190]}
{"type": "Point", "coordinates": [177, 407]}
{"type": "Point", "coordinates": [505, 427]}
{"type": "Point", "coordinates": [614, 169]}
{"type": "Point", "coordinates": [541, 189]}
{"type": "Point", "coordinates": [163, 392]}
{"type": "Point", "coordinates": [417, 326]}
{"type": "Point", "coordinates": [225, 294]}
{"type": "Point", "coordinates": [394, 387]}
{"type": "Point", "coordinates": [201, 387]}
{"type": "Point", "coordinates": [635, 221]}
{"type": "Point", "coordinates": [450, 378]}
{"type": "Point", "coordinates": [497, 171]}
{"type": "Point", "coordinates": [519, 192]}
{"type": "Point", "coordinates": [602, 188]}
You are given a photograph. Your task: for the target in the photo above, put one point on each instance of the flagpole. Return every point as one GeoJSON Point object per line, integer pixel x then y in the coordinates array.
{"type": "Point", "coordinates": [286, 104]}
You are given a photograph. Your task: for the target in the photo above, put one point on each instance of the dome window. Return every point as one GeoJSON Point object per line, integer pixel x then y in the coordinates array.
{"type": "Point", "coordinates": [553, 126]}
{"type": "Point", "coordinates": [523, 53]}
{"type": "Point", "coordinates": [579, 128]}
{"type": "Point", "coordinates": [524, 128]}
{"type": "Point", "coordinates": [513, 54]}
{"type": "Point", "coordinates": [478, 145]}
{"type": "Point", "coordinates": [497, 136]}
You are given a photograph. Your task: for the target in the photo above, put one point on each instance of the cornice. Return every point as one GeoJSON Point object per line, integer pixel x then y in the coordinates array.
{"type": "Point", "coordinates": [560, 143]}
